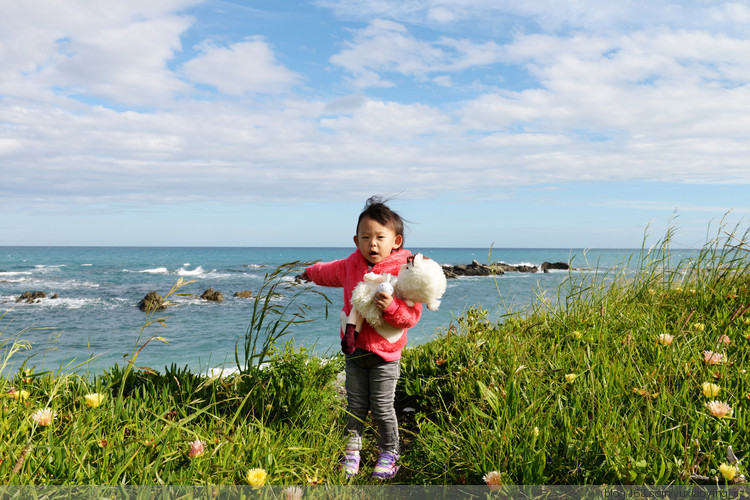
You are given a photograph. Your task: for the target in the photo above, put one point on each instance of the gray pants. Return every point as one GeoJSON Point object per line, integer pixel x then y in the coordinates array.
{"type": "Point", "coordinates": [371, 385]}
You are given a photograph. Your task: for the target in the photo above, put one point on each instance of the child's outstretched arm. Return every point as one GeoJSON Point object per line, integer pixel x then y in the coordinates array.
{"type": "Point", "coordinates": [326, 273]}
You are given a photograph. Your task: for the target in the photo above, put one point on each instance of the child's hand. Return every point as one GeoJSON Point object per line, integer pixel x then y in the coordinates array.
{"type": "Point", "coordinates": [382, 300]}
{"type": "Point", "coordinates": [301, 278]}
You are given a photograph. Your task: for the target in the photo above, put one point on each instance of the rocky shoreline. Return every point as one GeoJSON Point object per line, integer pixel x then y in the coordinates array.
{"type": "Point", "coordinates": [477, 269]}
{"type": "Point", "coordinates": [153, 301]}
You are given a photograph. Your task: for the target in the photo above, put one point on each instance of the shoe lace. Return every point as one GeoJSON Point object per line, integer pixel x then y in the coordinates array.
{"type": "Point", "coordinates": [386, 460]}
{"type": "Point", "coordinates": [351, 459]}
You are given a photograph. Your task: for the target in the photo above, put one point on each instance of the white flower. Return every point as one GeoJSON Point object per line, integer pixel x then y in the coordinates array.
{"type": "Point", "coordinates": [492, 479]}
{"type": "Point", "coordinates": [665, 339]}
{"type": "Point", "coordinates": [293, 493]}
{"type": "Point", "coordinates": [719, 409]}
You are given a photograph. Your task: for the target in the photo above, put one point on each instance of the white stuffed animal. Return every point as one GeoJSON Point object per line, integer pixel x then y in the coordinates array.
{"type": "Point", "coordinates": [419, 280]}
{"type": "Point", "coordinates": [363, 293]}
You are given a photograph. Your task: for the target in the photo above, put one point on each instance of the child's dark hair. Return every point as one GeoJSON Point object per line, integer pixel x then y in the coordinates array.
{"type": "Point", "coordinates": [376, 209]}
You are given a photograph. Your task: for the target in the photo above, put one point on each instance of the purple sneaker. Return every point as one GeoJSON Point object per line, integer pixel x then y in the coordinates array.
{"type": "Point", "coordinates": [350, 463]}
{"type": "Point", "coordinates": [386, 468]}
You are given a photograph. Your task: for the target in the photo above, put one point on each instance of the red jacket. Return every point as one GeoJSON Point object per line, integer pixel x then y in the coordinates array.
{"type": "Point", "coordinates": [347, 273]}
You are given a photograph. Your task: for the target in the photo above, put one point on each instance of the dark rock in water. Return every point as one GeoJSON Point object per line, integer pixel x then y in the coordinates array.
{"type": "Point", "coordinates": [54, 296]}
{"type": "Point", "coordinates": [473, 269]}
{"type": "Point", "coordinates": [477, 269]}
{"type": "Point", "coordinates": [546, 266]}
{"type": "Point", "coordinates": [244, 294]}
{"type": "Point", "coordinates": [31, 297]}
{"type": "Point", "coordinates": [152, 302]}
{"type": "Point", "coordinates": [517, 269]}
{"type": "Point", "coordinates": [212, 295]}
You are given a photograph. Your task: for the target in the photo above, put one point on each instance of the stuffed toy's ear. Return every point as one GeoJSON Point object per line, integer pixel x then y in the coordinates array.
{"type": "Point", "coordinates": [373, 278]}
{"type": "Point", "coordinates": [433, 306]}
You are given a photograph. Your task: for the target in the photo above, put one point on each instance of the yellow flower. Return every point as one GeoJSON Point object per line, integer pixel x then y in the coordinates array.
{"type": "Point", "coordinates": [645, 393]}
{"type": "Point", "coordinates": [43, 417]}
{"type": "Point", "coordinates": [94, 399]}
{"type": "Point", "coordinates": [728, 471]}
{"type": "Point", "coordinates": [576, 334]}
{"type": "Point", "coordinates": [699, 327]}
{"type": "Point", "coordinates": [570, 378]}
{"type": "Point", "coordinates": [256, 477]}
{"type": "Point", "coordinates": [665, 339]}
{"type": "Point", "coordinates": [19, 395]}
{"type": "Point", "coordinates": [313, 481]}
{"type": "Point", "coordinates": [536, 432]}
{"type": "Point", "coordinates": [710, 390]}
{"type": "Point", "coordinates": [492, 480]}
{"type": "Point", "coordinates": [719, 409]}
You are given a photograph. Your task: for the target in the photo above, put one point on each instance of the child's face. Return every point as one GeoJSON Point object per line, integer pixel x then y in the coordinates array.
{"type": "Point", "coordinates": [375, 241]}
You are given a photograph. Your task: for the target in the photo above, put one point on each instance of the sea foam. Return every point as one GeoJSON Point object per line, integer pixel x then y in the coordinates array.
{"type": "Point", "coordinates": [195, 272]}
{"type": "Point", "coordinates": [156, 270]}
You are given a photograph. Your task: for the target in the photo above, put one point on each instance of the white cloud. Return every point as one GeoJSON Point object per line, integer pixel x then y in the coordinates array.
{"type": "Point", "coordinates": [245, 67]}
{"type": "Point", "coordinates": [652, 86]}
{"type": "Point", "coordinates": [651, 103]}
{"type": "Point", "coordinates": [507, 17]}
{"type": "Point", "coordinates": [388, 121]}
{"type": "Point", "coordinates": [443, 81]}
{"type": "Point", "coordinates": [97, 49]}
{"type": "Point", "coordinates": [441, 15]}
{"type": "Point", "coordinates": [388, 47]}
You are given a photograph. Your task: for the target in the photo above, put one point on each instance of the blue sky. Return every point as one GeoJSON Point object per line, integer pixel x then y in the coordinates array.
{"type": "Point", "coordinates": [261, 123]}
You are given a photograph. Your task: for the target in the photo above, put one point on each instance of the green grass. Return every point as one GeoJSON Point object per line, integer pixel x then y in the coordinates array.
{"type": "Point", "coordinates": [489, 395]}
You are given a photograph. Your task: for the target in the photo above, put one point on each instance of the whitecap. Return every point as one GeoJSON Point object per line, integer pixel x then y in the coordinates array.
{"type": "Point", "coordinates": [14, 273]}
{"type": "Point", "coordinates": [86, 265]}
{"type": "Point", "coordinates": [217, 275]}
{"type": "Point", "coordinates": [68, 303]}
{"type": "Point", "coordinates": [527, 264]}
{"type": "Point", "coordinates": [221, 372]}
{"type": "Point", "coordinates": [195, 272]}
{"type": "Point", "coordinates": [156, 270]}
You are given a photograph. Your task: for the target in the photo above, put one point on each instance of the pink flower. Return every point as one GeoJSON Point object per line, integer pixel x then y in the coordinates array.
{"type": "Point", "coordinates": [724, 339]}
{"type": "Point", "coordinates": [719, 409]}
{"type": "Point", "coordinates": [43, 417]}
{"type": "Point", "coordinates": [712, 358]}
{"type": "Point", "coordinates": [196, 448]}
{"type": "Point", "coordinates": [493, 480]}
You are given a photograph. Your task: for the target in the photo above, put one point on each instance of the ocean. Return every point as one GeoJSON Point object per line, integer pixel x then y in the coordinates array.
{"type": "Point", "coordinates": [95, 323]}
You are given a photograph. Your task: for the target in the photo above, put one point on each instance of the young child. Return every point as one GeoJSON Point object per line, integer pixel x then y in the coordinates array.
{"type": "Point", "coordinates": [373, 365]}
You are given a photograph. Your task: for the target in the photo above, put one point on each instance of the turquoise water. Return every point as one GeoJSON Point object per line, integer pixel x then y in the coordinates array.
{"type": "Point", "coordinates": [96, 317]}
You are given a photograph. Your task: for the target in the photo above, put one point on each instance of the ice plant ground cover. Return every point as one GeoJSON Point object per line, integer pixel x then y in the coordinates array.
{"type": "Point", "coordinates": [492, 399]}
